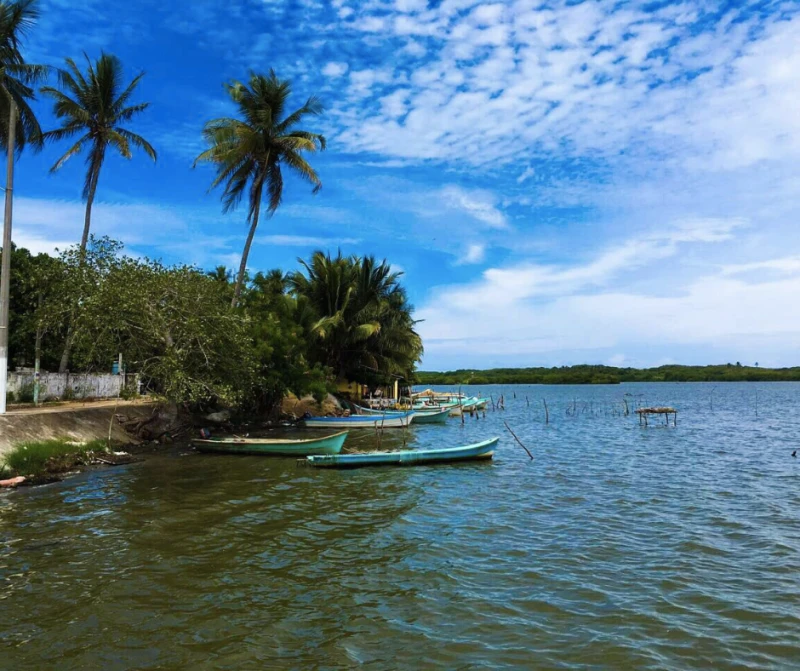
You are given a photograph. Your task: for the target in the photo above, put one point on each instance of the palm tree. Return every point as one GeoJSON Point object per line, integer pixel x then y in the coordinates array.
{"type": "Point", "coordinates": [95, 106]}
{"type": "Point", "coordinates": [364, 328]}
{"type": "Point", "coordinates": [249, 151]}
{"type": "Point", "coordinates": [18, 127]}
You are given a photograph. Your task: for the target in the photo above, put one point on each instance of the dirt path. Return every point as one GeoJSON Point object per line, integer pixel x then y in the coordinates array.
{"type": "Point", "coordinates": [72, 406]}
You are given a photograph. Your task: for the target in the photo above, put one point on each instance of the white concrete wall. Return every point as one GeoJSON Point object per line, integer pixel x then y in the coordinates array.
{"type": "Point", "coordinates": [84, 385]}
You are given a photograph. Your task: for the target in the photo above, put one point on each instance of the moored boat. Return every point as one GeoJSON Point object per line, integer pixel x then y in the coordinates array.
{"type": "Point", "coordinates": [431, 417]}
{"type": "Point", "coordinates": [468, 405]}
{"type": "Point", "coordinates": [274, 446]}
{"type": "Point", "coordinates": [484, 450]}
{"type": "Point", "coordinates": [383, 420]}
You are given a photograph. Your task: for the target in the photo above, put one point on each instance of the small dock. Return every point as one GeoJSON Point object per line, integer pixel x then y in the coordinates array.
{"type": "Point", "coordinates": [644, 413]}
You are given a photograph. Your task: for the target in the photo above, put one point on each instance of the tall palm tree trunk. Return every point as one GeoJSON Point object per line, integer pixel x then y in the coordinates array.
{"type": "Point", "coordinates": [87, 219]}
{"type": "Point", "coordinates": [5, 272]}
{"type": "Point", "coordinates": [243, 265]}
{"type": "Point", "coordinates": [87, 225]}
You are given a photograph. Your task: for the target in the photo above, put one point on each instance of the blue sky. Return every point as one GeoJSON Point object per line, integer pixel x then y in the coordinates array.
{"type": "Point", "coordinates": [561, 182]}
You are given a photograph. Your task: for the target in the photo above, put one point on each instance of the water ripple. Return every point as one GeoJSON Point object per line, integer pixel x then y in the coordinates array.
{"type": "Point", "coordinates": [618, 547]}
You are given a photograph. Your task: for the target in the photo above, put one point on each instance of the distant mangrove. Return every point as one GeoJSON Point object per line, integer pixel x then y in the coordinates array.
{"type": "Point", "coordinates": [589, 374]}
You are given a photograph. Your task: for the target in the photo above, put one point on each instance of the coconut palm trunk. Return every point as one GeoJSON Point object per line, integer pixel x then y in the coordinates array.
{"type": "Point", "coordinates": [87, 219]}
{"type": "Point", "coordinates": [246, 252]}
{"type": "Point", "coordinates": [87, 226]}
{"type": "Point", "coordinates": [5, 273]}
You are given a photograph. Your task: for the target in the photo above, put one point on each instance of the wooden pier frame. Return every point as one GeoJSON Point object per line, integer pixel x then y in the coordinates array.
{"type": "Point", "coordinates": [644, 412]}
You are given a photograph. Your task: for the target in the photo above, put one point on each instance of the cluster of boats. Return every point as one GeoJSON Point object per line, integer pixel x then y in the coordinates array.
{"type": "Point", "coordinates": [425, 408]}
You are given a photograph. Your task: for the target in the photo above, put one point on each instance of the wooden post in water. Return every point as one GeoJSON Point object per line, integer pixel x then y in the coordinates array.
{"type": "Point", "coordinates": [546, 413]}
{"type": "Point", "coordinates": [518, 440]}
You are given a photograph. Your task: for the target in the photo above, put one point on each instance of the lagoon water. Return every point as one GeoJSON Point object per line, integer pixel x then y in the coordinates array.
{"type": "Point", "coordinates": [616, 547]}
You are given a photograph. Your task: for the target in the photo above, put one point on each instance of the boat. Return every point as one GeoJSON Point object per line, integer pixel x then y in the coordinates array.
{"type": "Point", "coordinates": [382, 421]}
{"type": "Point", "coordinates": [469, 405]}
{"type": "Point", "coordinates": [433, 407]}
{"type": "Point", "coordinates": [274, 446]}
{"type": "Point", "coordinates": [431, 416]}
{"type": "Point", "coordinates": [484, 450]}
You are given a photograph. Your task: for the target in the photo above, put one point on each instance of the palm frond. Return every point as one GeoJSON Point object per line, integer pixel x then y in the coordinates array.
{"type": "Point", "coordinates": [75, 149]}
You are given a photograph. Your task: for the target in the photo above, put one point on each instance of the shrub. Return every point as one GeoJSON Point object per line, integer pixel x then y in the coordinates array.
{"type": "Point", "coordinates": [129, 393]}
{"type": "Point", "coordinates": [32, 457]}
{"type": "Point", "coordinates": [25, 394]}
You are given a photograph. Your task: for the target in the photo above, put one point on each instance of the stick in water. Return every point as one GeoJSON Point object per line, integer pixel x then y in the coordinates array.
{"type": "Point", "coordinates": [517, 439]}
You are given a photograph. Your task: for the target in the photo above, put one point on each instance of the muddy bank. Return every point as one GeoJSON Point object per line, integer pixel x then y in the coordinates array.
{"type": "Point", "coordinates": [80, 423]}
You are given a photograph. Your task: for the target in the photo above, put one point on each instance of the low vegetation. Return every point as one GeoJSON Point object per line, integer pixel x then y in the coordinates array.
{"type": "Point", "coordinates": [729, 372]}
{"type": "Point", "coordinates": [38, 459]}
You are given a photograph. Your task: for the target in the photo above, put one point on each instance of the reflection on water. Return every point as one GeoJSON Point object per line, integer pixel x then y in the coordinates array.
{"type": "Point", "coordinates": [617, 547]}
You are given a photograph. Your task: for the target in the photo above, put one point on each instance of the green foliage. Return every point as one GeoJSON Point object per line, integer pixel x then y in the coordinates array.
{"type": "Point", "coordinates": [611, 375]}
{"type": "Point", "coordinates": [32, 457]}
{"type": "Point", "coordinates": [34, 280]}
{"type": "Point", "coordinates": [176, 329]}
{"type": "Point", "coordinates": [279, 341]}
{"type": "Point", "coordinates": [25, 393]}
{"type": "Point", "coordinates": [94, 106]}
{"type": "Point", "coordinates": [128, 393]}
{"type": "Point", "coordinates": [17, 77]}
{"type": "Point", "coordinates": [249, 151]}
{"type": "Point", "coordinates": [358, 318]}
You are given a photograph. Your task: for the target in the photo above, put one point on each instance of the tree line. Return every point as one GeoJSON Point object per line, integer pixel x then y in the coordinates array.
{"type": "Point", "coordinates": [587, 374]}
{"type": "Point", "coordinates": [335, 318]}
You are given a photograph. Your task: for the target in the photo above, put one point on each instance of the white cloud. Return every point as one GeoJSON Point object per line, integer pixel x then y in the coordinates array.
{"type": "Point", "coordinates": [592, 306]}
{"type": "Point", "coordinates": [334, 69]}
{"type": "Point", "coordinates": [518, 80]}
{"type": "Point", "coordinates": [475, 253]}
{"type": "Point", "coordinates": [479, 204]}
{"type": "Point", "coordinates": [526, 175]}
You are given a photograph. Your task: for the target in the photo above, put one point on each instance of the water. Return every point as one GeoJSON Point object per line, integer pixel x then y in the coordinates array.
{"type": "Point", "coordinates": [617, 547]}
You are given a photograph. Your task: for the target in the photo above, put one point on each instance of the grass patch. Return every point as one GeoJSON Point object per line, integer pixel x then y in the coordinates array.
{"type": "Point", "coordinates": [43, 457]}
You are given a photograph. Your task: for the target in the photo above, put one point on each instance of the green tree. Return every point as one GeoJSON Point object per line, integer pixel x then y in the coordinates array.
{"type": "Point", "coordinates": [364, 329]}
{"type": "Point", "coordinates": [35, 282]}
{"type": "Point", "coordinates": [248, 152]}
{"type": "Point", "coordinates": [95, 106]}
{"type": "Point", "coordinates": [17, 76]}
{"type": "Point", "coordinates": [278, 324]}
{"type": "Point", "coordinates": [173, 325]}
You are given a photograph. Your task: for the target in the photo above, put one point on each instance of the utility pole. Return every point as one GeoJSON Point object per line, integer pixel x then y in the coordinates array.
{"type": "Point", "coordinates": [5, 267]}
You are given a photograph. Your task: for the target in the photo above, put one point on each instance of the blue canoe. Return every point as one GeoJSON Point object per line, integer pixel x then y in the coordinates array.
{"type": "Point", "coordinates": [484, 450]}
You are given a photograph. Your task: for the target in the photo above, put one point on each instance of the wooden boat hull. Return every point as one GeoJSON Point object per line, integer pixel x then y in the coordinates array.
{"type": "Point", "coordinates": [426, 416]}
{"type": "Point", "coordinates": [484, 450]}
{"type": "Point", "coordinates": [275, 446]}
{"type": "Point", "coordinates": [438, 417]}
{"type": "Point", "coordinates": [469, 406]}
{"type": "Point", "coordinates": [382, 421]}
